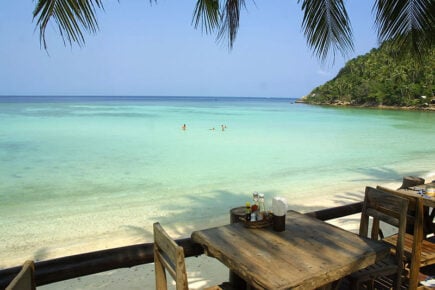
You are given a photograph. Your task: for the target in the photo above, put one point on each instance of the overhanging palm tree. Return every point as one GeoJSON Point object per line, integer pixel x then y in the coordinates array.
{"type": "Point", "coordinates": [326, 24]}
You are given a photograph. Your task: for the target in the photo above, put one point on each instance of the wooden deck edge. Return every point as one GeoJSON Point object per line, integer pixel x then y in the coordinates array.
{"type": "Point", "coordinates": [69, 267]}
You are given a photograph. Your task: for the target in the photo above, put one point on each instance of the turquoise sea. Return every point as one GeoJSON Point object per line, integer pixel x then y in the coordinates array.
{"type": "Point", "coordinates": [88, 173]}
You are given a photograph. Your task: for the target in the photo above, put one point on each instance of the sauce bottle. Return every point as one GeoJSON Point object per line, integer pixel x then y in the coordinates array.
{"type": "Point", "coordinates": [248, 211]}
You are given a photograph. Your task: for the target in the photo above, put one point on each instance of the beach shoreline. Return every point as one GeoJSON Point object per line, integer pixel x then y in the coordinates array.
{"type": "Point", "coordinates": [205, 271]}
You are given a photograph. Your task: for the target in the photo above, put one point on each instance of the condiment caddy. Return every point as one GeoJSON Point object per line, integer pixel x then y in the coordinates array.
{"type": "Point", "coordinates": [256, 215]}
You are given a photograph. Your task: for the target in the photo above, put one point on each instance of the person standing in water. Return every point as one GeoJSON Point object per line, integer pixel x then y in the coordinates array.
{"type": "Point", "coordinates": [184, 127]}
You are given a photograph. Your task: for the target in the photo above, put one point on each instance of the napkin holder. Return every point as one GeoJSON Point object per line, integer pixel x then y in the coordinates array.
{"type": "Point", "coordinates": [279, 209]}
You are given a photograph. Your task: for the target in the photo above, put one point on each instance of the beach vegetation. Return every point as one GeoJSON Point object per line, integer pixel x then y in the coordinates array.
{"type": "Point", "coordinates": [381, 78]}
{"type": "Point", "coordinates": [409, 24]}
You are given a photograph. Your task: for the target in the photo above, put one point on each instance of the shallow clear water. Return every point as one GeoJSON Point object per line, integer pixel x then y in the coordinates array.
{"type": "Point", "coordinates": [76, 170]}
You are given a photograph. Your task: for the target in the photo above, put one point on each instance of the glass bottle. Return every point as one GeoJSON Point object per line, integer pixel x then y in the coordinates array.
{"type": "Point", "coordinates": [261, 205]}
{"type": "Point", "coordinates": [248, 211]}
{"type": "Point", "coordinates": [255, 208]}
{"type": "Point", "coordinates": [255, 198]}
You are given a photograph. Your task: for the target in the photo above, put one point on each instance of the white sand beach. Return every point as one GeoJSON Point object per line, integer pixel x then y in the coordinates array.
{"type": "Point", "coordinates": [205, 271]}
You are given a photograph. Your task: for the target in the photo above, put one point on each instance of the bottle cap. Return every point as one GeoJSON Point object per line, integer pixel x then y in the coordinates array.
{"type": "Point", "coordinates": [248, 204]}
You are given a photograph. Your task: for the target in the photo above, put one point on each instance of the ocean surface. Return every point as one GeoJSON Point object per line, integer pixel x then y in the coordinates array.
{"type": "Point", "coordinates": [89, 173]}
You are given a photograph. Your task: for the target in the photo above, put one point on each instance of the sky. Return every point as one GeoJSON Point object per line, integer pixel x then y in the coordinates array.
{"type": "Point", "coordinates": [145, 49]}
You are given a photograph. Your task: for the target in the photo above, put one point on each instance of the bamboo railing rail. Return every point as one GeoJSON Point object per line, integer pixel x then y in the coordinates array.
{"type": "Point", "coordinates": [336, 212]}
{"type": "Point", "coordinates": [64, 268]}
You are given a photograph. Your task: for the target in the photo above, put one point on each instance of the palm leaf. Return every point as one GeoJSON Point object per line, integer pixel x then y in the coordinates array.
{"type": "Point", "coordinates": [326, 26]}
{"type": "Point", "coordinates": [71, 17]}
{"type": "Point", "coordinates": [225, 17]}
{"type": "Point", "coordinates": [207, 13]}
{"type": "Point", "coordinates": [230, 20]}
{"type": "Point", "coordinates": [408, 23]}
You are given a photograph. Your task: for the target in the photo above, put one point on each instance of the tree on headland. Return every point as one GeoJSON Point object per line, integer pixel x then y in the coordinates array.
{"type": "Point", "coordinates": [380, 78]}
{"type": "Point", "coordinates": [326, 24]}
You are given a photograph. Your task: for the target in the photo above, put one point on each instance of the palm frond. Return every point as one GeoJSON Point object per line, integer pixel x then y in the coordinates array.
{"type": "Point", "coordinates": [207, 13]}
{"type": "Point", "coordinates": [71, 17]}
{"type": "Point", "coordinates": [408, 23]}
{"type": "Point", "coordinates": [327, 27]}
{"type": "Point", "coordinates": [230, 20]}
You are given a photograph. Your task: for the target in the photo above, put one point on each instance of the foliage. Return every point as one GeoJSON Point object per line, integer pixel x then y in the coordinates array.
{"type": "Point", "coordinates": [380, 78]}
{"type": "Point", "coordinates": [71, 18]}
{"type": "Point", "coordinates": [326, 25]}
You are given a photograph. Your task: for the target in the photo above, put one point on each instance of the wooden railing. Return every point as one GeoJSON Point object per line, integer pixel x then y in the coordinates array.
{"type": "Point", "coordinates": [64, 268]}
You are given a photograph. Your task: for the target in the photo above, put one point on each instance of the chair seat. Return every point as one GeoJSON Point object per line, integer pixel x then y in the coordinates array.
{"type": "Point", "coordinates": [385, 267]}
{"type": "Point", "coordinates": [386, 283]}
{"type": "Point", "coordinates": [427, 249]}
{"type": "Point", "coordinates": [223, 286]}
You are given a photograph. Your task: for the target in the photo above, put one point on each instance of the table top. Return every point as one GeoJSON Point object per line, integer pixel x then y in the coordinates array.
{"type": "Point", "coordinates": [308, 254]}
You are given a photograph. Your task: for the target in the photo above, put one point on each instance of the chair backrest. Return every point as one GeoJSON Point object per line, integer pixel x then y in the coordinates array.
{"type": "Point", "coordinates": [415, 211]}
{"type": "Point", "coordinates": [25, 279]}
{"type": "Point", "coordinates": [415, 220]}
{"type": "Point", "coordinates": [388, 208]}
{"type": "Point", "coordinates": [168, 257]}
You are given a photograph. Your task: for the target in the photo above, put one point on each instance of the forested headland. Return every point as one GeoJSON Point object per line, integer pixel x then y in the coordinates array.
{"type": "Point", "coordinates": [384, 77]}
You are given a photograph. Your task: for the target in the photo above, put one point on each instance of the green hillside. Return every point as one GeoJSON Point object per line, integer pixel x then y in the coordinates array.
{"type": "Point", "coordinates": [382, 77]}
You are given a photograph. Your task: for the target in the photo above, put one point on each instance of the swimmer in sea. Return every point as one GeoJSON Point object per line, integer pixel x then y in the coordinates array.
{"type": "Point", "coordinates": [183, 127]}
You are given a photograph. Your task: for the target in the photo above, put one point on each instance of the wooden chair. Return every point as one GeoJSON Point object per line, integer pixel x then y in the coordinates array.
{"type": "Point", "coordinates": [391, 209]}
{"type": "Point", "coordinates": [169, 257]}
{"type": "Point", "coordinates": [412, 181]}
{"type": "Point", "coordinates": [25, 279]}
{"type": "Point", "coordinates": [419, 252]}
{"type": "Point", "coordinates": [409, 181]}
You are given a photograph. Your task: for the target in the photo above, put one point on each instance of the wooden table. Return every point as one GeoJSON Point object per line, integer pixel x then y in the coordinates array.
{"type": "Point", "coordinates": [308, 254]}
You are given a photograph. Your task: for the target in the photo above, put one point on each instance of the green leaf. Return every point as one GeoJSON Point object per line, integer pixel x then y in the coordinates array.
{"type": "Point", "coordinates": [230, 20]}
{"type": "Point", "coordinates": [408, 23]}
{"type": "Point", "coordinates": [327, 27]}
{"type": "Point", "coordinates": [207, 14]}
{"type": "Point", "coordinates": [71, 16]}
